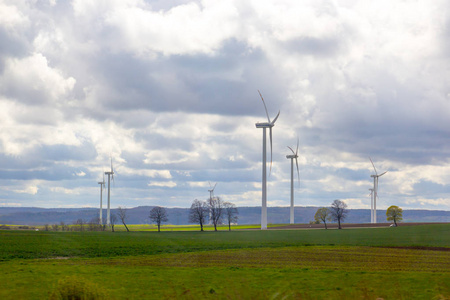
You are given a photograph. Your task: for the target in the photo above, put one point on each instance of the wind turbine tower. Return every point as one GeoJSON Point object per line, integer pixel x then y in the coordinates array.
{"type": "Point", "coordinates": [108, 211]}
{"type": "Point", "coordinates": [102, 186]}
{"type": "Point", "coordinates": [211, 195]}
{"type": "Point", "coordinates": [371, 205]}
{"type": "Point", "coordinates": [264, 126]}
{"type": "Point", "coordinates": [293, 156]}
{"type": "Point", "coordinates": [375, 192]}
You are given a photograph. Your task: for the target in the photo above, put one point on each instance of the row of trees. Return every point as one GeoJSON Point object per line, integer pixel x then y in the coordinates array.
{"type": "Point", "coordinates": [337, 212]}
{"type": "Point", "coordinates": [215, 210]}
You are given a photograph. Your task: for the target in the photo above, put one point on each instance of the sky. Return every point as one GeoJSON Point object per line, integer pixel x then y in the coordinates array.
{"type": "Point", "coordinates": [169, 90]}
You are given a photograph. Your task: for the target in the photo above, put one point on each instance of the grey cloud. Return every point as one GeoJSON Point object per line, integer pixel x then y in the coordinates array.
{"type": "Point", "coordinates": [314, 46]}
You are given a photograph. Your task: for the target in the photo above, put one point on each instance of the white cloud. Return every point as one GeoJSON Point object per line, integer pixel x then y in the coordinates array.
{"type": "Point", "coordinates": [169, 184]}
{"type": "Point", "coordinates": [11, 17]}
{"type": "Point", "coordinates": [169, 91]}
{"type": "Point", "coordinates": [32, 190]}
{"type": "Point", "coordinates": [32, 80]}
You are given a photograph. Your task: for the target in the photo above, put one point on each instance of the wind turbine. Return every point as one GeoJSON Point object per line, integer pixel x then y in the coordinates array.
{"type": "Point", "coordinates": [264, 126]}
{"type": "Point", "coordinates": [211, 193]}
{"type": "Point", "coordinates": [293, 156]}
{"type": "Point", "coordinates": [375, 192]}
{"type": "Point", "coordinates": [108, 212]}
{"type": "Point", "coordinates": [371, 205]}
{"type": "Point", "coordinates": [102, 186]}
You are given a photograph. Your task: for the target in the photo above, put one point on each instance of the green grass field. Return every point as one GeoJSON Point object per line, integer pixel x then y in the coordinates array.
{"type": "Point", "coordinates": [275, 264]}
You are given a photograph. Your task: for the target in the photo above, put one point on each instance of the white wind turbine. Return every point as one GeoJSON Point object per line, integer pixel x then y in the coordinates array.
{"type": "Point", "coordinates": [211, 195]}
{"type": "Point", "coordinates": [211, 191]}
{"type": "Point", "coordinates": [375, 192]}
{"type": "Point", "coordinates": [293, 156]}
{"type": "Point", "coordinates": [371, 205]}
{"type": "Point", "coordinates": [102, 186]}
{"type": "Point", "coordinates": [108, 212]}
{"type": "Point", "coordinates": [265, 125]}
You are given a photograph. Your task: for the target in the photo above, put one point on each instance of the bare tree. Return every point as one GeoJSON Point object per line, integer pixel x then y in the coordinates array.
{"type": "Point", "coordinates": [231, 213]}
{"type": "Point", "coordinates": [112, 221]}
{"type": "Point", "coordinates": [64, 227]}
{"type": "Point", "coordinates": [122, 213]}
{"type": "Point", "coordinates": [158, 215]}
{"type": "Point", "coordinates": [322, 214]}
{"type": "Point", "coordinates": [215, 205]}
{"type": "Point", "coordinates": [94, 224]}
{"type": "Point", "coordinates": [80, 222]}
{"type": "Point", "coordinates": [198, 213]}
{"type": "Point", "coordinates": [55, 227]}
{"type": "Point", "coordinates": [338, 211]}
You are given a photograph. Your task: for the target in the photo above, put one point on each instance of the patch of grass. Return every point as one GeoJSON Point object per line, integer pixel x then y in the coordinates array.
{"type": "Point", "coordinates": [315, 272]}
{"type": "Point", "coordinates": [75, 287]}
{"type": "Point", "coordinates": [32, 244]}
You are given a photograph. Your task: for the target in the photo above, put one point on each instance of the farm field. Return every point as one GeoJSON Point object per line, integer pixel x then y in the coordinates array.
{"type": "Point", "coordinates": [411, 262]}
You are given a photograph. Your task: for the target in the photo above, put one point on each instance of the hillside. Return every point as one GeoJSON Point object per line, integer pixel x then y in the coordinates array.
{"type": "Point", "coordinates": [179, 216]}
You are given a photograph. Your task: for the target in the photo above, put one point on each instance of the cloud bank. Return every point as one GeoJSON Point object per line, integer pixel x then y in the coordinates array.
{"type": "Point", "coordinates": [169, 90]}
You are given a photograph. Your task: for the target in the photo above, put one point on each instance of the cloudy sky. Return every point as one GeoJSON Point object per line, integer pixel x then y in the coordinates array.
{"type": "Point", "coordinates": [169, 90]}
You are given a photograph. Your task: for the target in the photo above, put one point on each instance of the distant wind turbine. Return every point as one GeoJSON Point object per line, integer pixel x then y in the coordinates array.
{"type": "Point", "coordinates": [102, 186]}
{"type": "Point", "coordinates": [375, 192]}
{"type": "Point", "coordinates": [211, 195]}
{"type": "Point", "coordinates": [108, 212]}
{"type": "Point", "coordinates": [265, 125]}
{"type": "Point", "coordinates": [211, 191]}
{"type": "Point", "coordinates": [293, 156]}
{"type": "Point", "coordinates": [371, 205]}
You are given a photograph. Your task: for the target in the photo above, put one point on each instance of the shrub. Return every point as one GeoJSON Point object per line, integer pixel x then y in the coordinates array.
{"type": "Point", "coordinates": [77, 288]}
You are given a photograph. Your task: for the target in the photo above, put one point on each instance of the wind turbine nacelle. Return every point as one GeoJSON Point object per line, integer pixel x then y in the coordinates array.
{"type": "Point", "coordinates": [264, 125]}
{"type": "Point", "coordinates": [291, 156]}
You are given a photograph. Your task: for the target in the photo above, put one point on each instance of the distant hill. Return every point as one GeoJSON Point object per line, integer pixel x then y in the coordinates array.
{"type": "Point", "coordinates": [179, 216]}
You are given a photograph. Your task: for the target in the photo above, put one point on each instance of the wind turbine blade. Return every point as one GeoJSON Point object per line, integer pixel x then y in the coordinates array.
{"type": "Point", "coordinates": [214, 187]}
{"type": "Point", "coordinates": [382, 174]}
{"type": "Point", "coordinates": [291, 150]}
{"type": "Point", "coordinates": [270, 131]}
{"type": "Point", "coordinates": [265, 107]}
{"type": "Point", "coordinates": [373, 166]}
{"type": "Point", "coordinates": [296, 150]}
{"type": "Point", "coordinates": [298, 172]}
{"type": "Point", "coordinates": [274, 120]}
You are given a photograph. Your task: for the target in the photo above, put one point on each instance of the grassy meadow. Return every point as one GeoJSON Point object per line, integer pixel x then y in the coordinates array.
{"type": "Point", "coordinates": [411, 262]}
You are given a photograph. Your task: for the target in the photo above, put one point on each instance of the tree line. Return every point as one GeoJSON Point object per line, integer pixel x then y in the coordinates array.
{"type": "Point", "coordinates": [338, 211]}
{"type": "Point", "coordinates": [214, 209]}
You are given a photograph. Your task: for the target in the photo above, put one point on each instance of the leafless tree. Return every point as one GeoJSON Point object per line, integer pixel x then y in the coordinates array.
{"type": "Point", "coordinates": [112, 221]}
{"type": "Point", "coordinates": [231, 213]}
{"type": "Point", "coordinates": [198, 212]}
{"type": "Point", "coordinates": [94, 224]}
{"type": "Point", "coordinates": [338, 211]}
{"type": "Point", "coordinates": [55, 227]}
{"type": "Point", "coordinates": [322, 215]}
{"type": "Point", "coordinates": [158, 215]}
{"type": "Point", "coordinates": [122, 213]}
{"type": "Point", "coordinates": [63, 226]}
{"type": "Point", "coordinates": [215, 206]}
{"type": "Point", "coordinates": [46, 227]}
{"type": "Point", "coordinates": [80, 222]}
